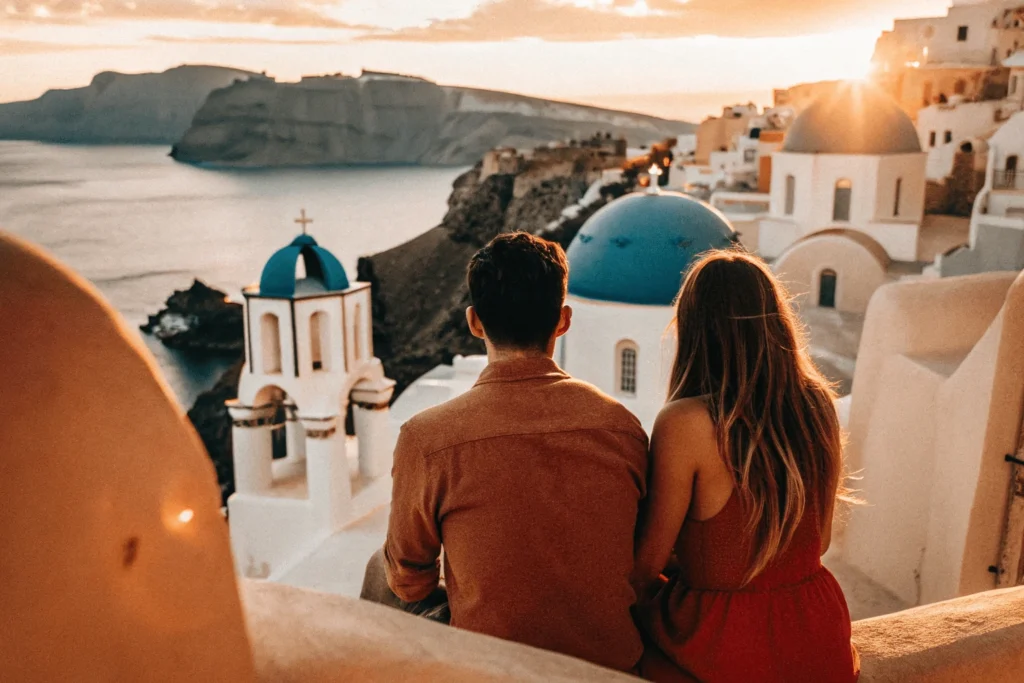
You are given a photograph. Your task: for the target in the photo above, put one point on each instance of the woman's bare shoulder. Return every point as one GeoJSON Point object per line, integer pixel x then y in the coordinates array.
{"type": "Point", "coordinates": [686, 424]}
{"type": "Point", "coordinates": [685, 414]}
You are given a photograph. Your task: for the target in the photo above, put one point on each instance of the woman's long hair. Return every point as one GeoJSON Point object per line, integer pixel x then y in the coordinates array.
{"type": "Point", "coordinates": [742, 348]}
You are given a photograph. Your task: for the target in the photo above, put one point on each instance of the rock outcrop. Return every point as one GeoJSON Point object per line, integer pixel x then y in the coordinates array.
{"type": "Point", "coordinates": [116, 108]}
{"type": "Point", "coordinates": [200, 318]}
{"type": "Point", "coordinates": [387, 119]}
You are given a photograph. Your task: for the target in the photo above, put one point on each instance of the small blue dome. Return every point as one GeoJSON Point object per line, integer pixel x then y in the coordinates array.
{"type": "Point", "coordinates": [322, 268]}
{"type": "Point", "coordinates": [637, 249]}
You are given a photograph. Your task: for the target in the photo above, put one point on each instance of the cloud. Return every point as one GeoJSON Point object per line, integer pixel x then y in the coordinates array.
{"type": "Point", "coordinates": [306, 13]}
{"type": "Point", "coordinates": [237, 40]}
{"type": "Point", "coordinates": [10, 47]}
{"type": "Point", "coordinates": [578, 21]}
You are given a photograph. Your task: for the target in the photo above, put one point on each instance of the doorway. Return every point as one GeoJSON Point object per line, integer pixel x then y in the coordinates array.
{"type": "Point", "coordinates": [827, 288]}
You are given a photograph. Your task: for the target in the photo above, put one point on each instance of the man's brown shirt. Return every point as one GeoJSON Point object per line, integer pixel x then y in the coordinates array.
{"type": "Point", "coordinates": [531, 482]}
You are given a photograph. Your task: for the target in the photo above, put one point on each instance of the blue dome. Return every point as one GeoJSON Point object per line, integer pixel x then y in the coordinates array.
{"type": "Point", "coordinates": [637, 249]}
{"type": "Point", "coordinates": [322, 268]}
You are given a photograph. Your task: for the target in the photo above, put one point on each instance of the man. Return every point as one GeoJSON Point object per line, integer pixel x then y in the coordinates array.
{"type": "Point", "coordinates": [530, 482]}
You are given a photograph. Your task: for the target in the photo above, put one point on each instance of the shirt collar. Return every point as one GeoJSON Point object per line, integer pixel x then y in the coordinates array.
{"type": "Point", "coordinates": [521, 369]}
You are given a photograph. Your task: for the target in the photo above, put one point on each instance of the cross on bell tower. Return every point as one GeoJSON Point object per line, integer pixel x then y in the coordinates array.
{"type": "Point", "coordinates": [654, 174]}
{"type": "Point", "coordinates": [303, 221]}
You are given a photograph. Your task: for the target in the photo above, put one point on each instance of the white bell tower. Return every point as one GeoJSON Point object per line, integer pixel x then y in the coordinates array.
{"type": "Point", "coordinates": [308, 356]}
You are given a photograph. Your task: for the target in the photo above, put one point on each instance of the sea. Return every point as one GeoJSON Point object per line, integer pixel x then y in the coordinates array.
{"type": "Point", "coordinates": [139, 225]}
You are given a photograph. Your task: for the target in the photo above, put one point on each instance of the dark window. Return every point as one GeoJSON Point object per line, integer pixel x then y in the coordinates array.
{"type": "Point", "coordinates": [961, 34]}
{"type": "Point", "coordinates": [827, 289]}
{"type": "Point", "coordinates": [627, 369]}
{"type": "Point", "coordinates": [931, 139]}
{"type": "Point", "coordinates": [749, 155]}
{"type": "Point", "coordinates": [899, 193]}
{"type": "Point", "coordinates": [948, 137]}
{"type": "Point", "coordinates": [841, 205]}
{"type": "Point", "coordinates": [790, 194]}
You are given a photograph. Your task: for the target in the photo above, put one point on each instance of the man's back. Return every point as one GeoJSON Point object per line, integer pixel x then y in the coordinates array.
{"type": "Point", "coordinates": [532, 482]}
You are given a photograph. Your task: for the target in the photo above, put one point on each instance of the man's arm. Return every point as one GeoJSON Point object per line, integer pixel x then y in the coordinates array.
{"type": "Point", "coordinates": [413, 546]}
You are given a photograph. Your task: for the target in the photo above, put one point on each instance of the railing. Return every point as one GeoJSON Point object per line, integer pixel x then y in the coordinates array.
{"type": "Point", "coordinates": [1008, 180]}
{"type": "Point", "coordinates": [741, 202]}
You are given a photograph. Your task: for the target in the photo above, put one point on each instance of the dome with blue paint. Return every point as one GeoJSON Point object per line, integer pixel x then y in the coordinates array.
{"type": "Point", "coordinates": [637, 249]}
{"type": "Point", "coordinates": [324, 272]}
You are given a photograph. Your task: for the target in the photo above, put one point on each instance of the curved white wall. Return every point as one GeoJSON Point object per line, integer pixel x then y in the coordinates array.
{"type": "Point", "coordinates": [858, 271]}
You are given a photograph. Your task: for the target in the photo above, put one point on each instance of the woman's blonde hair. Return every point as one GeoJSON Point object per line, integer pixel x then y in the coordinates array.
{"type": "Point", "coordinates": [742, 348]}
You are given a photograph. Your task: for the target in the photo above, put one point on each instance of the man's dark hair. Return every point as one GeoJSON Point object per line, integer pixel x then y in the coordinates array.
{"type": "Point", "coordinates": [517, 285]}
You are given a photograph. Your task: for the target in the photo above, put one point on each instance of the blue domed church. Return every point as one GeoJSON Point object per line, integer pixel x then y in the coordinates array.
{"type": "Point", "coordinates": [626, 266]}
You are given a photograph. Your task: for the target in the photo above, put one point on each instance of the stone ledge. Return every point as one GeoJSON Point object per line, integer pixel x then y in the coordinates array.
{"type": "Point", "coordinates": [976, 638]}
{"type": "Point", "coordinates": [308, 637]}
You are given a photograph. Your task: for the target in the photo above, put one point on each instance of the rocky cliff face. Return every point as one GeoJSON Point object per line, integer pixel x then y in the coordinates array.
{"type": "Point", "coordinates": [118, 108]}
{"type": "Point", "coordinates": [419, 288]}
{"type": "Point", "coordinates": [380, 119]}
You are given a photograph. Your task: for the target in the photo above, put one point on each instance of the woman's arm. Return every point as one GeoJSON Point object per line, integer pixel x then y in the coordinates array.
{"type": "Point", "coordinates": [826, 525]}
{"type": "Point", "coordinates": [675, 444]}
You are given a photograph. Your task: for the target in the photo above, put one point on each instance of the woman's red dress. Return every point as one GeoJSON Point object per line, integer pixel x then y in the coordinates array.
{"type": "Point", "coordinates": [789, 625]}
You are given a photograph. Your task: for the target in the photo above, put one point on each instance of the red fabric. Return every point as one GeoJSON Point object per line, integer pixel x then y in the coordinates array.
{"type": "Point", "coordinates": [789, 625]}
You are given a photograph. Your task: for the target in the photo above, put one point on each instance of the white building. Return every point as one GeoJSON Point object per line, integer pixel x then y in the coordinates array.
{"type": "Point", "coordinates": [997, 222]}
{"type": "Point", "coordinates": [946, 130]}
{"type": "Point", "coordinates": [851, 162]}
{"type": "Point", "coordinates": [846, 199]}
{"type": "Point", "coordinates": [309, 357]}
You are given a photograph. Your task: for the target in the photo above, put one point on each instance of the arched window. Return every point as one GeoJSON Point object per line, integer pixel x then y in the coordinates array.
{"type": "Point", "coordinates": [841, 204]}
{"type": "Point", "coordinates": [320, 340]}
{"type": "Point", "coordinates": [358, 332]}
{"type": "Point", "coordinates": [270, 340]}
{"type": "Point", "coordinates": [790, 194]}
{"type": "Point", "coordinates": [827, 288]}
{"type": "Point", "coordinates": [899, 196]}
{"type": "Point", "coordinates": [626, 355]}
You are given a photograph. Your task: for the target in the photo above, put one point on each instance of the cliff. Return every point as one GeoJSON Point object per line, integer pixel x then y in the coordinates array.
{"type": "Point", "coordinates": [419, 288]}
{"type": "Point", "coordinates": [384, 119]}
{"type": "Point", "coordinates": [149, 108]}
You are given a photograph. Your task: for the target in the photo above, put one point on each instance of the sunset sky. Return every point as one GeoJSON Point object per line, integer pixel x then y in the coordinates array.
{"type": "Point", "coordinates": [672, 57]}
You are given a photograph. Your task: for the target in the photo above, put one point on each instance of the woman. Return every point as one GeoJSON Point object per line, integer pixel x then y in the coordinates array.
{"type": "Point", "coordinates": [745, 469]}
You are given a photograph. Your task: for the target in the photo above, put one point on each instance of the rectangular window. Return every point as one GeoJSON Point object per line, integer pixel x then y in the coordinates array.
{"type": "Point", "coordinates": [1013, 85]}
{"type": "Point", "coordinates": [899, 193]}
{"type": "Point", "coordinates": [931, 139]}
{"type": "Point", "coordinates": [749, 155]}
{"type": "Point", "coordinates": [961, 34]}
{"type": "Point", "coordinates": [790, 194]}
{"type": "Point", "coordinates": [948, 137]}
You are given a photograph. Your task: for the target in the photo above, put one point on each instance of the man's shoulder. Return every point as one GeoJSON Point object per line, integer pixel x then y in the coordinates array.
{"type": "Point", "coordinates": [603, 411]}
{"type": "Point", "coordinates": [442, 426]}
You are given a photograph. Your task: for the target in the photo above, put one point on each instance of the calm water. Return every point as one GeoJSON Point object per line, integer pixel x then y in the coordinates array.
{"type": "Point", "coordinates": [139, 225]}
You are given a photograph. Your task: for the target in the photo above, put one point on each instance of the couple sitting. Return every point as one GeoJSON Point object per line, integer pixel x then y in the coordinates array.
{"type": "Point", "coordinates": [695, 560]}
